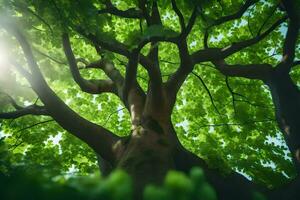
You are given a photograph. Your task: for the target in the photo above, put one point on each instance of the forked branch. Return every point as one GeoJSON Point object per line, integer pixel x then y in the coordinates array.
{"type": "Point", "coordinates": [89, 86]}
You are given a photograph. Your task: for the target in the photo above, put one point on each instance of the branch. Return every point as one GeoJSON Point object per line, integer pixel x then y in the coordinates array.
{"type": "Point", "coordinates": [115, 46]}
{"type": "Point", "coordinates": [179, 14]}
{"type": "Point", "coordinates": [12, 101]}
{"type": "Point", "coordinates": [227, 51]}
{"type": "Point", "coordinates": [154, 20]}
{"type": "Point", "coordinates": [120, 48]}
{"type": "Point", "coordinates": [251, 71]}
{"type": "Point", "coordinates": [89, 86]}
{"type": "Point", "coordinates": [209, 54]}
{"type": "Point", "coordinates": [131, 72]}
{"type": "Point", "coordinates": [208, 92]}
{"type": "Point", "coordinates": [205, 39]}
{"type": "Point", "coordinates": [267, 19]}
{"type": "Point", "coordinates": [20, 112]}
{"type": "Point", "coordinates": [24, 7]}
{"type": "Point", "coordinates": [97, 137]}
{"type": "Point", "coordinates": [50, 57]}
{"type": "Point", "coordinates": [232, 93]}
{"type": "Point", "coordinates": [190, 25]}
{"type": "Point", "coordinates": [292, 35]}
{"type": "Point", "coordinates": [236, 15]}
{"type": "Point", "coordinates": [296, 63]}
{"type": "Point", "coordinates": [131, 13]}
{"type": "Point", "coordinates": [143, 8]}
{"type": "Point", "coordinates": [36, 124]}
{"type": "Point", "coordinates": [153, 68]}
{"type": "Point", "coordinates": [237, 124]}
{"type": "Point", "coordinates": [109, 69]}
{"type": "Point", "coordinates": [186, 66]}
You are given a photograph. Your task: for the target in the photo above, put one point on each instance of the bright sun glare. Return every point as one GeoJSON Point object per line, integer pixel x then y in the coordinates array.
{"type": "Point", "coordinates": [3, 63]}
{"type": "Point", "coordinates": [3, 57]}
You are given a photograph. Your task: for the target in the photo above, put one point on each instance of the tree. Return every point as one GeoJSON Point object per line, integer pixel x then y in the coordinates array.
{"type": "Point", "coordinates": [148, 60]}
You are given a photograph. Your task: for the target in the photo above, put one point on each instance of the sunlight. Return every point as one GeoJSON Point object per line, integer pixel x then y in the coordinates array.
{"type": "Point", "coordinates": [4, 63]}
{"type": "Point", "coordinates": [3, 57]}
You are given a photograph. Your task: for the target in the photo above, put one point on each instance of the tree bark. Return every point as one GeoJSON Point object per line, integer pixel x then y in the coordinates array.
{"type": "Point", "coordinates": [286, 98]}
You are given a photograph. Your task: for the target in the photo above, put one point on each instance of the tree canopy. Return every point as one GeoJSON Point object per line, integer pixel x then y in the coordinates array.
{"type": "Point", "coordinates": [69, 66]}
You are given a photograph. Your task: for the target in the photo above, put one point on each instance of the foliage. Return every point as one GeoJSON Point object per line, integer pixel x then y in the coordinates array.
{"type": "Point", "coordinates": [19, 182]}
{"type": "Point", "coordinates": [238, 133]}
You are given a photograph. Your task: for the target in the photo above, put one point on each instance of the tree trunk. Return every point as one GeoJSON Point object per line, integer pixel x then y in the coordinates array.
{"type": "Point", "coordinates": [149, 153]}
{"type": "Point", "coordinates": [153, 149]}
{"type": "Point", "coordinates": [286, 98]}
{"type": "Point", "coordinates": [146, 156]}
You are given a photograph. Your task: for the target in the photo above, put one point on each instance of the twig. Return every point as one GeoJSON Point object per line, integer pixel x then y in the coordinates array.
{"type": "Point", "coordinates": [207, 90]}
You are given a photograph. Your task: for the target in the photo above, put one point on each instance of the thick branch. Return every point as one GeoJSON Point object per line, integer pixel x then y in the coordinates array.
{"type": "Point", "coordinates": [143, 8]}
{"type": "Point", "coordinates": [89, 86]}
{"type": "Point", "coordinates": [131, 73]}
{"type": "Point", "coordinates": [153, 68]}
{"type": "Point", "coordinates": [97, 137]}
{"type": "Point", "coordinates": [186, 67]}
{"type": "Point", "coordinates": [290, 45]}
{"type": "Point", "coordinates": [291, 36]}
{"type": "Point", "coordinates": [251, 71]}
{"type": "Point", "coordinates": [119, 48]}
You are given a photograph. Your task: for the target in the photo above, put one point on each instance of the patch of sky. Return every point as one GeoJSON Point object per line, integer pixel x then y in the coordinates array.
{"type": "Point", "coordinates": [3, 135]}
{"type": "Point", "coordinates": [184, 124]}
{"type": "Point", "coordinates": [243, 173]}
{"type": "Point", "coordinates": [211, 129]}
{"type": "Point", "coordinates": [217, 38]}
{"type": "Point", "coordinates": [120, 111]}
{"type": "Point", "coordinates": [268, 164]}
{"type": "Point", "coordinates": [55, 141]}
{"type": "Point", "coordinates": [193, 44]}
{"type": "Point", "coordinates": [99, 107]}
{"type": "Point", "coordinates": [169, 16]}
{"type": "Point", "coordinates": [278, 141]}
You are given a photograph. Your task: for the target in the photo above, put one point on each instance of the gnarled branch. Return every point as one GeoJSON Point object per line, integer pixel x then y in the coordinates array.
{"type": "Point", "coordinates": [89, 86]}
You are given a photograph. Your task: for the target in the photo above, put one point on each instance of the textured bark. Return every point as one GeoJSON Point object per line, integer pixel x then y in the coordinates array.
{"type": "Point", "coordinates": [286, 98]}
